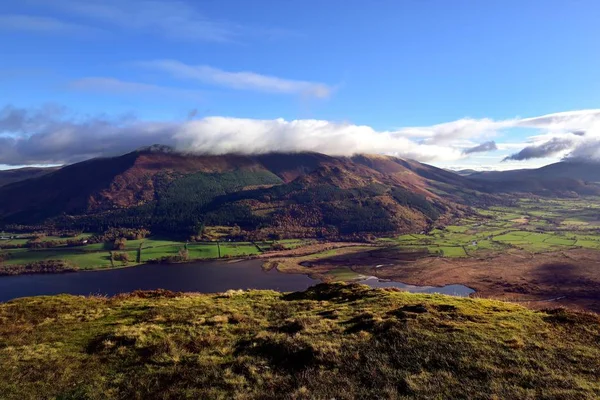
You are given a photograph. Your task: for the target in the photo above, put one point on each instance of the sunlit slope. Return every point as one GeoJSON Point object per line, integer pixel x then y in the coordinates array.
{"type": "Point", "coordinates": [332, 341]}
{"type": "Point", "coordinates": [301, 194]}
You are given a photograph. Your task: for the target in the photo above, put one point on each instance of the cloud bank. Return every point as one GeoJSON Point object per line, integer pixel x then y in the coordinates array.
{"type": "Point", "coordinates": [546, 149]}
{"type": "Point", "coordinates": [54, 135]}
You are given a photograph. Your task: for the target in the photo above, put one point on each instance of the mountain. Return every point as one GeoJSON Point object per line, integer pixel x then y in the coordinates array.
{"type": "Point", "coordinates": [20, 174]}
{"type": "Point", "coordinates": [562, 178]}
{"type": "Point", "coordinates": [297, 194]}
{"type": "Point", "coordinates": [277, 194]}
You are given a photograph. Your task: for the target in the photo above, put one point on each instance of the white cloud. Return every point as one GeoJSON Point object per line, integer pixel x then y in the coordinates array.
{"type": "Point", "coordinates": [466, 128]}
{"type": "Point", "coordinates": [568, 121]}
{"type": "Point", "coordinates": [219, 135]}
{"type": "Point", "coordinates": [116, 86]}
{"type": "Point", "coordinates": [510, 146]}
{"type": "Point", "coordinates": [571, 134]}
{"type": "Point", "coordinates": [243, 80]}
{"type": "Point", "coordinates": [52, 135]}
{"type": "Point", "coordinates": [543, 150]}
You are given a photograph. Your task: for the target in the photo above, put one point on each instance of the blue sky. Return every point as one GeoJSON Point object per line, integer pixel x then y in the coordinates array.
{"type": "Point", "coordinates": [424, 79]}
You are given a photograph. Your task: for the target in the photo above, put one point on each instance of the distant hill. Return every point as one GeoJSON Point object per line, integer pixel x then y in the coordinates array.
{"type": "Point", "coordinates": [465, 172]}
{"type": "Point", "coordinates": [20, 174]}
{"type": "Point", "coordinates": [559, 178]}
{"type": "Point", "coordinates": [298, 194]}
{"type": "Point", "coordinates": [585, 171]}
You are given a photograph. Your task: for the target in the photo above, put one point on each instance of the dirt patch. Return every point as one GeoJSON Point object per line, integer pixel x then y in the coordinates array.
{"type": "Point", "coordinates": [377, 258]}
{"type": "Point", "coordinates": [570, 278]}
{"type": "Point", "coordinates": [310, 249]}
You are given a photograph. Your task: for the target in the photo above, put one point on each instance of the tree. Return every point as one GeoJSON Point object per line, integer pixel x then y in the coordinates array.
{"type": "Point", "coordinates": [200, 228]}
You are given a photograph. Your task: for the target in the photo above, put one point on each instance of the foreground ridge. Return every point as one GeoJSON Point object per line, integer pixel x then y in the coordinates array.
{"type": "Point", "coordinates": [338, 341]}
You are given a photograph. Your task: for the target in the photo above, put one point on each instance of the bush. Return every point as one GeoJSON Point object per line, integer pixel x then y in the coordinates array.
{"type": "Point", "coordinates": [37, 243]}
{"type": "Point", "coordinates": [113, 234]}
{"type": "Point", "coordinates": [123, 257]}
{"type": "Point", "coordinates": [39, 267]}
{"type": "Point", "coordinates": [278, 246]}
{"type": "Point", "coordinates": [184, 254]}
{"type": "Point", "coordinates": [75, 243]}
{"type": "Point", "coordinates": [120, 244]}
{"type": "Point", "coordinates": [179, 258]}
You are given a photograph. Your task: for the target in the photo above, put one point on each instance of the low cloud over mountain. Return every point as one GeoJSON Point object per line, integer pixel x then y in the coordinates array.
{"type": "Point", "coordinates": [54, 135]}
{"type": "Point", "coordinates": [546, 149]}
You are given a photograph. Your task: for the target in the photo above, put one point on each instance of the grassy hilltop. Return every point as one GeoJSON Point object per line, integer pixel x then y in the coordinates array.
{"type": "Point", "coordinates": [332, 341]}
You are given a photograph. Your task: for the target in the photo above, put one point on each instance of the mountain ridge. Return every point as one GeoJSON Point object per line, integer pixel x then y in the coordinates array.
{"type": "Point", "coordinates": [564, 178]}
{"type": "Point", "coordinates": [307, 191]}
{"type": "Point", "coordinates": [291, 194]}
{"type": "Point", "coordinates": [9, 176]}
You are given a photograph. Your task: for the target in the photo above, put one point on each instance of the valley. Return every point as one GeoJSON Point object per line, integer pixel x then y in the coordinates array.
{"type": "Point", "coordinates": [536, 251]}
{"type": "Point", "coordinates": [299, 200]}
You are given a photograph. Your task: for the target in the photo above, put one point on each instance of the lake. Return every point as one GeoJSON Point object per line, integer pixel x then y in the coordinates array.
{"type": "Point", "coordinates": [203, 277]}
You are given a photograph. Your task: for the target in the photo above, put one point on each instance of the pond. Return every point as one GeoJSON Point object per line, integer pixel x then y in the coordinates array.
{"type": "Point", "coordinates": [203, 277]}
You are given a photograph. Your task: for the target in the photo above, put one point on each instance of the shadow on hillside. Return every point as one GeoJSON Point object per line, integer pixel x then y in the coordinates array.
{"type": "Point", "coordinates": [567, 278]}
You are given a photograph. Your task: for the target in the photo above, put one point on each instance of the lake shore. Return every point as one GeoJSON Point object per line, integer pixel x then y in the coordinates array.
{"type": "Point", "coordinates": [567, 278]}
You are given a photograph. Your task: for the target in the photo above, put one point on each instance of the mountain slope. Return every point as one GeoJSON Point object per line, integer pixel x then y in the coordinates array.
{"type": "Point", "coordinates": [562, 178]}
{"type": "Point", "coordinates": [297, 194]}
{"type": "Point", "coordinates": [331, 341]}
{"type": "Point", "coordinates": [20, 174]}
{"type": "Point", "coordinates": [585, 171]}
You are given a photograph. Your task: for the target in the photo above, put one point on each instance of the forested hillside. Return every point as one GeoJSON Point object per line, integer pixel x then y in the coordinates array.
{"type": "Point", "coordinates": [302, 194]}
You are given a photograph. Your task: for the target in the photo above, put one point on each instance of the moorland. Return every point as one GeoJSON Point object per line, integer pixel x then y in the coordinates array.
{"type": "Point", "coordinates": [331, 341]}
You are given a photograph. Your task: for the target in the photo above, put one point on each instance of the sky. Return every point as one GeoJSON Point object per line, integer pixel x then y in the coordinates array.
{"type": "Point", "coordinates": [496, 84]}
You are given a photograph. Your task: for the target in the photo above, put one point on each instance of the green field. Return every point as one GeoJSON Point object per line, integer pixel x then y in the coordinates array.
{"type": "Point", "coordinates": [533, 226]}
{"type": "Point", "coordinates": [97, 255]}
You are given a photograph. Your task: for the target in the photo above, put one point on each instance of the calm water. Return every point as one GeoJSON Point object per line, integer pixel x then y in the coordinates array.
{"type": "Point", "coordinates": [204, 277]}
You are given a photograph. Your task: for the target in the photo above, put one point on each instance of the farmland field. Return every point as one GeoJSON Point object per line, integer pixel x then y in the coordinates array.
{"type": "Point", "coordinates": [98, 255]}
{"type": "Point", "coordinates": [533, 226]}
